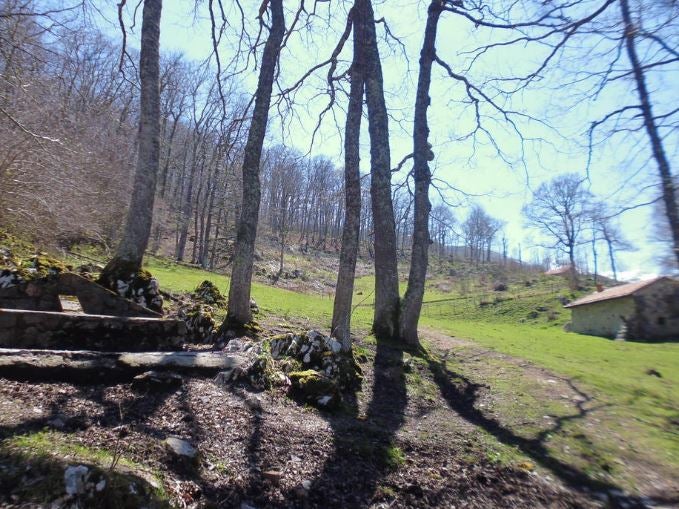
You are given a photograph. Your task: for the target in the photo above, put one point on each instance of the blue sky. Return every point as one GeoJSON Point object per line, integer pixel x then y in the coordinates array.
{"type": "Point", "coordinates": [620, 170]}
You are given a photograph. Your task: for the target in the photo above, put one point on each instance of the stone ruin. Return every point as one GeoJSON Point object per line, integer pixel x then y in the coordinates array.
{"type": "Point", "coordinates": [67, 311]}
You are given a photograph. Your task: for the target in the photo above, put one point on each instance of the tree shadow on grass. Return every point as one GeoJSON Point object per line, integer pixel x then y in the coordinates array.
{"type": "Point", "coordinates": [365, 447]}
{"type": "Point", "coordinates": [461, 394]}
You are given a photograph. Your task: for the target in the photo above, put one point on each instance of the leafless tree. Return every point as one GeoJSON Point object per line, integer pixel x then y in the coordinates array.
{"type": "Point", "coordinates": [385, 321]}
{"type": "Point", "coordinates": [422, 155]}
{"type": "Point", "coordinates": [239, 311]}
{"type": "Point", "coordinates": [341, 315]}
{"type": "Point", "coordinates": [561, 210]}
{"type": "Point", "coordinates": [130, 252]}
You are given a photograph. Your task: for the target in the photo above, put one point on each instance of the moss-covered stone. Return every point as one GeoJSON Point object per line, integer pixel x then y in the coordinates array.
{"type": "Point", "coordinates": [208, 293]}
{"type": "Point", "coordinates": [199, 319]}
{"type": "Point", "coordinates": [313, 387]}
{"type": "Point", "coordinates": [138, 285]}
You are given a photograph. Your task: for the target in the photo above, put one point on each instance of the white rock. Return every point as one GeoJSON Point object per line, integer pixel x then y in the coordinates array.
{"type": "Point", "coordinates": [181, 447]}
{"type": "Point", "coordinates": [324, 400]}
{"type": "Point", "coordinates": [100, 485]}
{"type": "Point", "coordinates": [334, 345]}
{"type": "Point", "coordinates": [75, 478]}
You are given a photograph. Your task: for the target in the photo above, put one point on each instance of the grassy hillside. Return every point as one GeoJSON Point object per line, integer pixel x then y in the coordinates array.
{"type": "Point", "coordinates": [632, 388]}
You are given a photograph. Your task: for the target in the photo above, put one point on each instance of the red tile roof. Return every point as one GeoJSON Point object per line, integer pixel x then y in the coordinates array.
{"type": "Point", "coordinates": [616, 292]}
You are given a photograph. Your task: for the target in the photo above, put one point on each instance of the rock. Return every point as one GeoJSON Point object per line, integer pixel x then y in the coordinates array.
{"type": "Point", "coordinates": [100, 485]}
{"type": "Point", "coordinates": [254, 307]}
{"type": "Point", "coordinates": [181, 447]}
{"type": "Point", "coordinates": [208, 293]}
{"type": "Point", "coordinates": [57, 423]}
{"type": "Point", "coordinates": [157, 380]}
{"type": "Point", "coordinates": [313, 387]}
{"type": "Point", "coordinates": [75, 479]}
{"type": "Point", "coordinates": [273, 476]}
{"type": "Point", "coordinates": [10, 278]}
{"type": "Point", "coordinates": [199, 320]}
{"type": "Point", "coordinates": [335, 346]}
{"type": "Point", "coordinates": [140, 286]}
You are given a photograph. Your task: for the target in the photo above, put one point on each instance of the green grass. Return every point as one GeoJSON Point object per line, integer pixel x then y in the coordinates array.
{"type": "Point", "coordinates": [315, 309]}
{"type": "Point", "coordinates": [47, 453]}
{"type": "Point", "coordinates": [617, 372]}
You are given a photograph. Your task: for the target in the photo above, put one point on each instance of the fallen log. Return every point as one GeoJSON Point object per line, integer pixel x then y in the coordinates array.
{"type": "Point", "coordinates": [86, 366]}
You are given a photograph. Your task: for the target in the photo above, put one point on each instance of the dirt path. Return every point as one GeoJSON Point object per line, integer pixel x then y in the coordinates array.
{"type": "Point", "coordinates": [561, 424]}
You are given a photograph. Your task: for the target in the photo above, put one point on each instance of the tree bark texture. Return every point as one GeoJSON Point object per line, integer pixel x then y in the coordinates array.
{"type": "Point", "coordinates": [241, 274]}
{"type": "Point", "coordinates": [139, 217]}
{"type": "Point", "coordinates": [659, 154]}
{"type": "Point", "coordinates": [341, 315]}
{"type": "Point", "coordinates": [385, 321]}
{"type": "Point", "coordinates": [422, 154]}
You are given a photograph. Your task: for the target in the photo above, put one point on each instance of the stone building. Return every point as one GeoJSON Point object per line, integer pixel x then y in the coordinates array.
{"type": "Point", "coordinates": [643, 310]}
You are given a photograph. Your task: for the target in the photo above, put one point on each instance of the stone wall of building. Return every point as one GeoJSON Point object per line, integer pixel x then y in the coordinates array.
{"type": "Point", "coordinates": [657, 311]}
{"type": "Point", "coordinates": [602, 318]}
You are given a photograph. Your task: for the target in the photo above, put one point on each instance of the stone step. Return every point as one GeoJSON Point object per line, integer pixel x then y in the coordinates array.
{"type": "Point", "coordinates": [20, 328]}
{"type": "Point", "coordinates": [79, 366]}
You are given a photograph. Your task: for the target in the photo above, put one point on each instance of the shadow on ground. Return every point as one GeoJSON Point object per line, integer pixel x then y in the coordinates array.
{"type": "Point", "coordinates": [462, 394]}
{"type": "Point", "coordinates": [365, 447]}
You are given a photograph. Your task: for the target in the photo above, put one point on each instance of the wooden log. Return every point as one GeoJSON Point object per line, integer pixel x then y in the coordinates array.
{"type": "Point", "coordinates": [85, 366]}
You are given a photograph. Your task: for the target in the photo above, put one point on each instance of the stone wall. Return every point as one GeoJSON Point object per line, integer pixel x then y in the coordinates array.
{"type": "Point", "coordinates": [63, 331]}
{"type": "Point", "coordinates": [43, 295]}
{"type": "Point", "coordinates": [602, 318]}
{"type": "Point", "coordinates": [657, 311]}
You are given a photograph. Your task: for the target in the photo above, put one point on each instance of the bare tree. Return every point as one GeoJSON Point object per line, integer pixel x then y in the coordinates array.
{"type": "Point", "coordinates": [422, 155]}
{"type": "Point", "coordinates": [239, 311]}
{"type": "Point", "coordinates": [385, 321]}
{"type": "Point", "coordinates": [631, 31]}
{"type": "Point", "coordinates": [341, 315]}
{"type": "Point", "coordinates": [561, 210]}
{"type": "Point", "coordinates": [130, 251]}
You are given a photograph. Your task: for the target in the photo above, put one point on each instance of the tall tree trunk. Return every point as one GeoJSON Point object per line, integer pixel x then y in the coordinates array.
{"type": "Point", "coordinates": [422, 154]}
{"type": "Point", "coordinates": [341, 314]}
{"type": "Point", "coordinates": [241, 274]}
{"type": "Point", "coordinates": [666, 181]}
{"type": "Point", "coordinates": [130, 252]}
{"type": "Point", "coordinates": [385, 321]}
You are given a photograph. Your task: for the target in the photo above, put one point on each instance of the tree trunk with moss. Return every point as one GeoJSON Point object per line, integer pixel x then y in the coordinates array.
{"type": "Point", "coordinates": [239, 312]}
{"type": "Point", "coordinates": [130, 252]}
{"type": "Point", "coordinates": [422, 154]}
{"type": "Point", "coordinates": [385, 320]}
{"type": "Point", "coordinates": [341, 315]}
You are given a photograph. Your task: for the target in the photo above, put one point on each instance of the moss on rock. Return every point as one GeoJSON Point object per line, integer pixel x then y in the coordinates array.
{"type": "Point", "coordinates": [208, 293]}
{"type": "Point", "coordinates": [313, 387]}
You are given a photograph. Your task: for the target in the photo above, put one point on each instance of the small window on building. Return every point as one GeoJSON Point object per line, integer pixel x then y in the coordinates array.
{"type": "Point", "coordinates": [661, 320]}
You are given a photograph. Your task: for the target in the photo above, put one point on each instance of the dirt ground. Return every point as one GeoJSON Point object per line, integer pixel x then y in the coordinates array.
{"type": "Point", "coordinates": [391, 445]}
